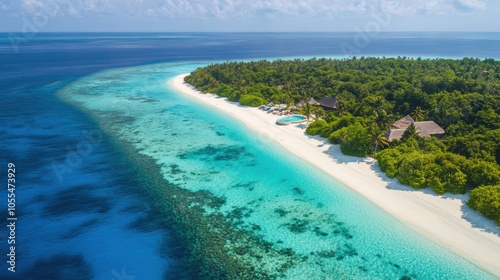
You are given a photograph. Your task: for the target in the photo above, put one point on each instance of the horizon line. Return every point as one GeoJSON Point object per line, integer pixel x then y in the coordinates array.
{"type": "Point", "coordinates": [261, 32]}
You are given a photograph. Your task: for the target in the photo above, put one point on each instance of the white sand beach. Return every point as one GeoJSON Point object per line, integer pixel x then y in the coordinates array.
{"type": "Point", "coordinates": [443, 219]}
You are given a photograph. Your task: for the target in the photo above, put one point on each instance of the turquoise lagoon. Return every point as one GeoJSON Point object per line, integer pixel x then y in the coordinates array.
{"type": "Point", "coordinates": [314, 227]}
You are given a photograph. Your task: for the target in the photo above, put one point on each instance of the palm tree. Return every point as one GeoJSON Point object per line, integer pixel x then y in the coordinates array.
{"type": "Point", "coordinates": [289, 102]}
{"type": "Point", "coordinates": [319, 112]}
{"type": "Point", "coordinates": [307, 111]}
{"type": "Point", "coordinates": [382, 119]}
{"type": "Point", "coordinates": [410, 132]}
{"type": "Point", "coordinates": [376, 137]}
{"type": "Point", "coordinates": [418, 114]}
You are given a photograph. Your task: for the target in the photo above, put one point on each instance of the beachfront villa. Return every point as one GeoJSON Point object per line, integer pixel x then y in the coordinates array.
{"type": "Point", "coordinates": [328, 103]}
{"type": "Point", "coordinates": [425, 128]}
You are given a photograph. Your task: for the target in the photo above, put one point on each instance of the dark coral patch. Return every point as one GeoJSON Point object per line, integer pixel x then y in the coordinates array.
{"type": "Point", "coordinates": [81, 228]}
{"type": "Point", "coordinates": [174, 169]}
{"type": "Point", "coordinates": [298, 225]}
{"type": "Point", "coordinates": [298, 191]}
{"type": "Point", "coordinates": [77, 199]}
{"type": "Point", "coordinates": [217, 153]}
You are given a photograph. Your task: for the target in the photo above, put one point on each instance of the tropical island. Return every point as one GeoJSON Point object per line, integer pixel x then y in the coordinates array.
{"type": "Point", "coordinates": [429, 122]}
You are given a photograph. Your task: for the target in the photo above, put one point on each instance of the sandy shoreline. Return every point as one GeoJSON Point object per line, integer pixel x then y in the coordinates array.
{"type": "Point", "coordinates": [444, 219]}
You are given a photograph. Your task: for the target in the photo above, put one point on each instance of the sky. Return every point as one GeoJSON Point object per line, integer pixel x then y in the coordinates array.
{"type": "Point", "coordinates": [248, 15]}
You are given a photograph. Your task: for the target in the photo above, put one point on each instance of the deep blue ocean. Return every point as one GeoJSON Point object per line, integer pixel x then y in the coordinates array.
{"type": "Point", "coordinates": [83, 212]}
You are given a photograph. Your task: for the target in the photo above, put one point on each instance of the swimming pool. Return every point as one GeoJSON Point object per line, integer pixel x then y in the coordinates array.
{"type": "Point", "coordinates": [292, 119]}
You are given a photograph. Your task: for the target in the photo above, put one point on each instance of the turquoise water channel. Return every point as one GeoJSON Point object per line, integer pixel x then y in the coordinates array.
{"type": "Point", "coordinates": [312, 227]}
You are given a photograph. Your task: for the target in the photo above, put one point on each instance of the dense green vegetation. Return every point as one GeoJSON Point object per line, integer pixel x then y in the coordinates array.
{"type": "Point", "coordinates": [487, 201]}
{"type": "Point", "coordinates": [462, 96]}
{"type": "Point", "coordinates": [426, 163]}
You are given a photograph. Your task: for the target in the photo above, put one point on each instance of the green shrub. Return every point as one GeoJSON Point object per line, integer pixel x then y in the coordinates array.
{"type": "Point", "coordinates": [331, 116]}
{"type": "Point", "coordinates": [257, 93]}
{"type": "Point", "coordinates": [409, 146]}
{"type": "Point", "coordinates": [388, 161]}
{"type": "Point", "coordinates": [411, 170]}
{"type": "Point", "coordinates": [436, 185]}
{"type": "Point", "coordinates": [419, 170]}
{"type": "Point", "coordinates": [315, 127]}
{"type": "Point", "coordinates": [486, 199]}
{"type": "Point", "coordinates": [344, 121]}
{"type": "Point", "coordinates": [356, 151]}
{"type": "Point", "coordinates": [482, 173]}
{"type": "Point", "coordinates": [432, 144]}
{"type": "Point", "coordinates": [333, 139]}
{"type": "Point", "coordinates": [353, 139]}
{"type": "Point", "coordinates": [453, 180]}
{"type": "Point", "coordinates": [326, 131]}
{"type": "Point", "coordinates": [223, 91]}
{"type": "Point", "coordinates": [234, 96]}
{"type": "Point", "coordinates": [353, 134]}
{"type": "Point", "coordinates": [251, 100]}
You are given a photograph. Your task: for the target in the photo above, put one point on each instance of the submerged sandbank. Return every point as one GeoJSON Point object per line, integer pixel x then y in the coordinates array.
{"type": "Point", "coordinates": [444, 219]}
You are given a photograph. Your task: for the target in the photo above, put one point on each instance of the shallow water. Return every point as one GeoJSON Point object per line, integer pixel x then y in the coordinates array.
{"type": "Point", "coordinates": [313, 226]}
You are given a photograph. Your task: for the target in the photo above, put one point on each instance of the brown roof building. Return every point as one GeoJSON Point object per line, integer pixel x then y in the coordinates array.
{"type": "Point", "coordinates": [403, 123]}
{"type": "Point", "coordinates": [310, 101]}
{"type": "Point", "coordinates": [425, 129]}
{"type": "Point", "coordinates": [328, 102]}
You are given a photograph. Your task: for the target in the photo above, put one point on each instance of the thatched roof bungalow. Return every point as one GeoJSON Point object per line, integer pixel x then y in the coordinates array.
{"type": "Point", "coordinates": [430, 127]}
{"type": "Point", "coordinates": [328, 103]}
{"type": "Point", "coordinates": [425, 128]}
{"type": "Point", "coordinates": [403, 123]}
{"type": "Point", "coordinates": [392, 134]}
{"type": "Point", "coordinates": [310, 101]}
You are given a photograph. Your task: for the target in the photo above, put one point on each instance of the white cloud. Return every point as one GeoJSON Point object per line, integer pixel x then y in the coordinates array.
{"type": "Point", "coordinates": [473, 4]}
{"type": "Point", "coordinates": [72, 11]}
{"type": "Point", "coordinates": [226, 9]}
{"type": "Point", "coordinates": [222, 9]}
{"type": "Point", "coordinates": [202, 10]}
{"type": "Point", "coordinates": [176, 8]}
{"type": "Point", "coordinates": [348, 7]}
{"type": "Point", "coordinates": [32, 6]}
{"type": "Point", "coordinates": [431, 7]}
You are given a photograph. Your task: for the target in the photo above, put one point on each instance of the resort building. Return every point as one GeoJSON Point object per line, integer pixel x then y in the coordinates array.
{"type": "Point", "coordinates": [310, 101]}
{"type": "Point", "coordinates": [328, 103]}
{"type": "Point", "coordinates": [425, 129]}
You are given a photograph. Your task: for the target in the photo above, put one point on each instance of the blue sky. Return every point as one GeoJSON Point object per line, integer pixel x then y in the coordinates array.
{"type": "Point", "coordinates": [249, 15]}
